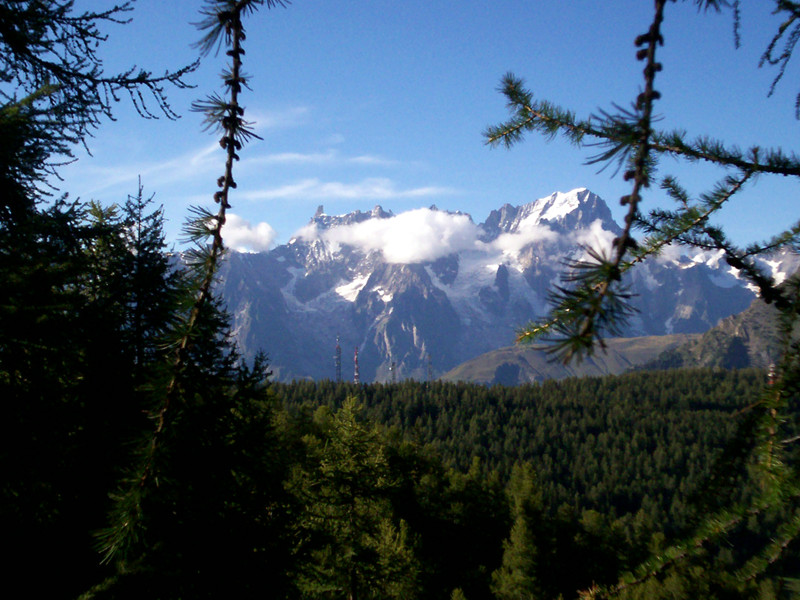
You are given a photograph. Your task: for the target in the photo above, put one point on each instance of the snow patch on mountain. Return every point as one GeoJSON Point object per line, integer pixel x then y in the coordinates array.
{"type": "Point", "coordinates": [556, 206]}
{"type": "Point", "coordinates": [777, 275]}
{"type": "Point", "coordinates": [383, 294]}
{"type": "Point", "coordinates": [471, 274]}
{"type": "Point", "coordinates": [724, 279]}
{"type": "Point", "coordinates": [430, 285]}
{"type": "Point", "coordinates": [349, 291]}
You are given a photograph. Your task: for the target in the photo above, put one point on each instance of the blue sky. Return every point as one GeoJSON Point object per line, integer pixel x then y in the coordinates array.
{"type": "Point", "coordinates": [367, 102]}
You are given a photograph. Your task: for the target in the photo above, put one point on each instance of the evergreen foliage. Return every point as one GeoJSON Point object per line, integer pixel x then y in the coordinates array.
{"type": "Point", "coordinates": [70, 374]}
{"type": "Point", "coordinates": [642, 441]}
{"type": "Point", "coordinates": [595, 302]}
{"type": "Point", "coordinates": [240, 488]}
{"type": "Point", "coordinates": [356, 547]}
{"type": "Point", "coordinates": [54, 89]}
{"type": "Point", "coordinates": [617, 467]}
{"type": "Point", "coordinates": [517, 577]}
{"type": "Point", "coordinates": [178, 526]}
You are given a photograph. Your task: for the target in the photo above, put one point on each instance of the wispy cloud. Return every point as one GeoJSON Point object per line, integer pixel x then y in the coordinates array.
{"type": "Point", "coordinates": [273, 119]}
{"type": "Point", "coordinates": [185, 167]}
{"type": "Point", "coordinates": [294, 158]}
{"type": "Point", "coordinates": [329, 157]}
{"type": "Point", "coordinates": [376, 188]}
{"type": "Point", "coordinates": [367, 159]}
{"type": "Point", "coordinates": [196, 166]}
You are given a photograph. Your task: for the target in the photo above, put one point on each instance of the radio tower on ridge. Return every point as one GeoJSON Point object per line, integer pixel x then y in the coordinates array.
{"type": "Point", "coordinates": [337, 358]}
{"type": "Point", "coordinates": [356, 377]}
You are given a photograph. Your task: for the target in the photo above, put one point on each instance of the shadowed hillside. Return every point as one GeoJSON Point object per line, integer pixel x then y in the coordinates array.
{"type": "Point", "coordinates": [514, 365]}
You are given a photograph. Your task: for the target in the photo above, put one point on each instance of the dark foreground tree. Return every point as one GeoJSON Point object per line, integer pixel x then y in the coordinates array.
{"type": "Point", "coordinates": [594, 301]}
{"type": "Point", "coordinates": [54, 89]}
{"type": "Point", "coordinates": [64, 375]}
{"type": "Point", "coordinates": [199, 513]}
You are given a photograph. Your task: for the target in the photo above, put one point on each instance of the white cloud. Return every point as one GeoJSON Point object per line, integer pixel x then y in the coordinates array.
{"type": "Point", "coordinates": [414, 236]}
{"type": "Point", "coordinates": [527, 233]}
{"type": "Point", "coordinates": [186, 167]}
{"type": "Point", "coordinates": [308, 232]}
{"type": "Point", "coordinates": [596, 237]}
{"type": "Point", "coordinates": [670, 254]}
{"type": "Point", "coordinates": [369, 159]}
{"type": "Point", "coordinates": [376, 188]}
{"type": "Point", "coordinates": [294, 158]}
{"type": "Point", "coordinates": [244, 237]}
{"type": "Point", "coordinates": [300, 189]}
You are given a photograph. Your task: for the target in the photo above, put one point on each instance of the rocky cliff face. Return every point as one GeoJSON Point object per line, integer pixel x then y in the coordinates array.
{"type": "Point", "coordinates": [429, 289]}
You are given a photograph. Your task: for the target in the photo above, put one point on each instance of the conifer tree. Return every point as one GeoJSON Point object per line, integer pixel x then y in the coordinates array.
{"type": "Point", "coordinates": [594, 301]}
{"type": "Point", "coordinates": [198, 515]}
{"type": "Point", "coordinates": [355, 548]}
{"type": "Point", "coordinates": [517, 578]}
{"type": "Point", "coordinates": [53, 92]}
{"type": "Point", "coordinates": [152, 282]}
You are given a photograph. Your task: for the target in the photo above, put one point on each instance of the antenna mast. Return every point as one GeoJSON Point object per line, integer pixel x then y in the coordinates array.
{"type": "Point", "coordinates": [337, 359]}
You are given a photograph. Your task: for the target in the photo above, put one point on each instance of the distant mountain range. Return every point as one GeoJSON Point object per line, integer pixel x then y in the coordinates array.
{"type": "Point", "coordinates": [420, 293]}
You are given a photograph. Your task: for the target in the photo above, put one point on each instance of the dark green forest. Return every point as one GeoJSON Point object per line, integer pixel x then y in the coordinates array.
{"type": "Point", "coordinates": [143, 458]}
{"type": "Point", "coordinates": [616, 465]}
{"type": "Point", "coordinates": [619, 445]}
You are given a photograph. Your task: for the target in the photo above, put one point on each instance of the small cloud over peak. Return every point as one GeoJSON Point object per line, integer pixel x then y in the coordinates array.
{"type": "Point", "coordinates": [595, 236]}
{"type": "Point", "coordinates": [414, 236]}
{"type": "Point", "coordinates": [242, 236]}
{"type": "Point", "coordinates": [527, 233]}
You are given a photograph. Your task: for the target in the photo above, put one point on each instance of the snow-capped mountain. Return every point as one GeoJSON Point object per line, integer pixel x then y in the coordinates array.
{"type": "Point", "coordinates": [428, 289]}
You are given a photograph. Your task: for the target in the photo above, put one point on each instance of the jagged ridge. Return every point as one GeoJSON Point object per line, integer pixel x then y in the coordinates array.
{"type": "Point", "coordinates": [428, 289]}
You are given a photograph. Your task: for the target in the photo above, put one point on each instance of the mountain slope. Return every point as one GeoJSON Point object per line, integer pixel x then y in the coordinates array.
{"type": "Point", "coordinates": [749, 339]}
{"type": "Point", "coordinates": [429, 289]}
{"type": "Point", "coordinates": [514, 365]}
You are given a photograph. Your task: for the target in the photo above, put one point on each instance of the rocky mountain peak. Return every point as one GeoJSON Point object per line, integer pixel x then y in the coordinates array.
{"type": "Point", "coordinates": [324, 221]}
{"type": "Point", "coordinates": [463, 299]}
{"type": "Point", "coordinates": [560, 211]}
